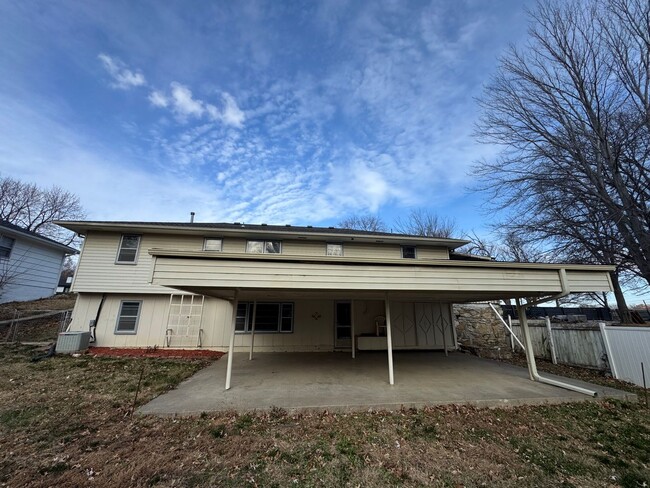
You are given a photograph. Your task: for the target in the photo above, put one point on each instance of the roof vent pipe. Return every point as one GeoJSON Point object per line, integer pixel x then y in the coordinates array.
{"type": "Point", "coordinates": [192, 217]}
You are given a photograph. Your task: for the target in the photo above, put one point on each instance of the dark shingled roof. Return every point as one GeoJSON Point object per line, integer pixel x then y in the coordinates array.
{"type": "Point", "coordinates": [20, 230]}
{"type": "Point", "coordinates": [263, 227]}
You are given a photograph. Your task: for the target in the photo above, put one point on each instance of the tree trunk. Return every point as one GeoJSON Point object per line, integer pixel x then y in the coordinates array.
{"type": "Point", "coordinates": [623, 311]}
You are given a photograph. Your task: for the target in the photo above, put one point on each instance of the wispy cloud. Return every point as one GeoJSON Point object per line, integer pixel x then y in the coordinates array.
{"type": "Point", "coordinates": [122, 77]}
{"type": "Point", "coordinates": [184, 105]}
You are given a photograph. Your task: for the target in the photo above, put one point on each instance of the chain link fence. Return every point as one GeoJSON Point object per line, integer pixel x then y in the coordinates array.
{"type": "Point", "coordinates": [29, 327]}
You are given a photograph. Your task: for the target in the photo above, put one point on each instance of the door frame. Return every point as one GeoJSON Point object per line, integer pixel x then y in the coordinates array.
{"type": "Point", "coordinates": [343, 344]}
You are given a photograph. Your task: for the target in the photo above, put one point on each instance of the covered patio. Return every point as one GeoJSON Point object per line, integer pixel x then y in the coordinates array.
{"type": "Point", "coordinates": [258, 277]}
{"type": "Point", "coordinates": [336, 382]}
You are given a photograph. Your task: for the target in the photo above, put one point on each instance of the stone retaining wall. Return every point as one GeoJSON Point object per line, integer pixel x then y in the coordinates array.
{"type": "Point", "coordinates": [480, 331]}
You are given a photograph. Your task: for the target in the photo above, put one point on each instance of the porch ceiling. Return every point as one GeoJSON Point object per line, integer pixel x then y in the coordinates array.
{"type": "Point", "coordinates": [249, 294]}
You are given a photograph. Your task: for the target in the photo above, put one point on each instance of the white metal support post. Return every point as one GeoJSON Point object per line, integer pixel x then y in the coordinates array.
{"type": "Point", "coordinates": [528, 345]}
{"type": "Point", "coordinates": [389, 341]}
{"type": "Point", "coordinates": [352, 328]}
{"type": "Point", "coordinates": [250, 355]}
{"type": "Point", "coordinates": [231, 346]}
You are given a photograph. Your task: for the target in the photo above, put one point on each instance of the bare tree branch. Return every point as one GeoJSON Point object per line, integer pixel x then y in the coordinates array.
{"type": "Point", "coordinates": [34, 208]}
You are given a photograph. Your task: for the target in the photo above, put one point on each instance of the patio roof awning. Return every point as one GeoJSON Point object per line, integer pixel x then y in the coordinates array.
{"type": "Point", "coordinates": [282, 276]}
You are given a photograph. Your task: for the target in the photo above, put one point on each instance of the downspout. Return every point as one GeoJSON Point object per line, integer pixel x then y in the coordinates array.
{"type": "Point", "coordinates": [530, 356]}
{"type": "Point", "coordinates": [93, 323]}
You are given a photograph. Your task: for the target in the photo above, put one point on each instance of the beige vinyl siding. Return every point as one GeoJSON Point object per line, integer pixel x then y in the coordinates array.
{"type": "Point", "coordinates": [313, 324]}
{"type": "Point", "coordinates": [232, 244]}
{"type": "Point", "coordinates": [584, 281]}
{"type": "Point", "coordinates": [98, 271]}
{"type": "Point", "coordinates": [282, 275]}
{"type": "Point", "coordinates": [303, 248]}
{"type": "Point", "coordinates": [430, 252]}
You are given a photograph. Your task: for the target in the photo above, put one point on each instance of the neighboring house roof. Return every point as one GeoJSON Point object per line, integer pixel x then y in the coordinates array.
{"type": "Point", "coordinates": [17, 231]}
{"type": "Point", "coordinates": [238, 228]}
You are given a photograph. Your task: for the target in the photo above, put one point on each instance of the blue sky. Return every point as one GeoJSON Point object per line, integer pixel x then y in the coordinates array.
{"type": "Point", "coordinates": [276, 112]}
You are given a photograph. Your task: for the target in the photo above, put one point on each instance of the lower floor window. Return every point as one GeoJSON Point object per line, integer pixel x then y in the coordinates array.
{"type": "Point", "coordinates": [127, 320]}
{"type": "Point", "coordinates": [269, 317]}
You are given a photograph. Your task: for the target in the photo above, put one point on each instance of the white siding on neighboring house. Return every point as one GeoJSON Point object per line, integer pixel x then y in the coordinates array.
{"type": "Point", "coordinates": [35, 269]}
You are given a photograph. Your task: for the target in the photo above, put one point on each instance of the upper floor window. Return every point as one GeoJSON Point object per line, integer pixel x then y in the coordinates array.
{"type": "Point", "coordinates": [267, 247]}
{"type": "Point", "coordinates": [212, 244]}
{"type": "Point", "coordinates": [128, 251]}
{"type": "Point", "coordinates": [6, 245]}
{"type": "Point", "coordinates": [127, 320]}
{"type": "Point", "coordinates": [334, 249]}
{"type": "Point", "coordinates": [408, 252]}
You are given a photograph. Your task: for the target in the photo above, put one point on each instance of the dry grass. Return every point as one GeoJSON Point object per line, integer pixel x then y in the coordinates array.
{"type": "Point", "coordinates": [57, 302]}
{"type": "Point", "coordinates": [65, 422]}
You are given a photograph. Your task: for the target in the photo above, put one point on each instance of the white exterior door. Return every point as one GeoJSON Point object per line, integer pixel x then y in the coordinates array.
{"type": "Point", "coordinates": [184, 322]}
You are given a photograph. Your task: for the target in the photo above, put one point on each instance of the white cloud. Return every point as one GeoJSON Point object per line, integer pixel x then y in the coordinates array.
{"type": "Point", "coordinates": [232, 115]}
{"type": "Point", "coordinates": [111, 185]}
{"type": "Point", "coordinates": [158, 99]}
{"type": "Point", "coordinates": [184, 105]}
{"type": "Point", "coordinates": [123, 78]}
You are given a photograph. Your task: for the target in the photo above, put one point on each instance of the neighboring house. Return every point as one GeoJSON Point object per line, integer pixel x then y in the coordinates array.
{"type": "Point", "coordinates": [65, 283]}
{"type": "Point", "coordinates": [297, 288]}
{"type": "Point", "coordinates": [30, 264]}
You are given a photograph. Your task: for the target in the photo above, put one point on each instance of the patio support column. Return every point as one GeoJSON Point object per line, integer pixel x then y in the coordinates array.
{"type": "Point", "coordinates": [525, 332]}
{"type": "Point", "coordinates": [389, 341]}
{"type": "Point", "coordinates": [250, 355]}
{"type": "Point", "coordinates": [352, 327]}
{"type": "Point", "coordinates": [231, 346]}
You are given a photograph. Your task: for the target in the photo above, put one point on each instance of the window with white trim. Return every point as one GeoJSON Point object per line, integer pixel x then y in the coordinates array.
{"type": "Point", "coordinates": [128, 250]}
{"type": "Point", "coordinates": [127, 320]}
{"type": "Point", "coordinates": [264, 247]}
{"type": "Point", "coordinates": [6, 245]}
{"type": "Point", "coordinates": [270, 317]}
{"type": "Point", "coordinates": [334, 249]}
{"type": "Point", "coordinates": [212, 244]}
{"type": "Point", "coordinates": [408, 252]}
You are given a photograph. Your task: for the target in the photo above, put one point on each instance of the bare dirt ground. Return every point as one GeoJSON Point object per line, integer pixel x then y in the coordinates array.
{"type": "Point", "coordinates": [154, 352]}
{"type": "Point", "coordinates": [67, 421]}
{"type": "Point", "coordinates": [64, 301]}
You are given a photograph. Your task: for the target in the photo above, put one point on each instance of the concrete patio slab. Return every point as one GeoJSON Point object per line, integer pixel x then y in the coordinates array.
{"type": "Point", "coordinates": [335, 381]}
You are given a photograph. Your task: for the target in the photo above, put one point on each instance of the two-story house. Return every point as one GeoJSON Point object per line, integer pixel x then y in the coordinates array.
{"type": "Point", "coordinates": [242, 287]}
{"type": "Point", "coordinates": [30, 264]}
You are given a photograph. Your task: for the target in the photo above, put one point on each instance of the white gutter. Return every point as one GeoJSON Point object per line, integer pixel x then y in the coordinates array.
{"type": "Point", "coordinates": [528, 349]}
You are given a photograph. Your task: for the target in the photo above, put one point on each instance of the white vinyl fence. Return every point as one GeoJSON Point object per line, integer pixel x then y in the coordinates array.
{"type": "Point", "coordinates": [628, 348]}
{"type": "Point", "coordinates": [621, 350]}
{"type": "Point", "coordinates": [574, 344]}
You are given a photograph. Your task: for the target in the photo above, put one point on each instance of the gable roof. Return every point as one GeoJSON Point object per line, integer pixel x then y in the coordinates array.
{"type": "Point", "coordinates": [240, 229]}
{"type": "Point", "coordinates": [17, 231]}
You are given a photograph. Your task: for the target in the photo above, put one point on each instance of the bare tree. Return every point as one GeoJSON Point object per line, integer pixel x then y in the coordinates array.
{"type": "Point", "coordinates": [509, 246]}
{"type": "Point", "coordinates": [34, 208]}
{"type": "Point", "coordinates": [423, 223]}
{"type": "Point", "coordinates": [367, 222]}
{"type": "Point", "coordinates": [570, 111]}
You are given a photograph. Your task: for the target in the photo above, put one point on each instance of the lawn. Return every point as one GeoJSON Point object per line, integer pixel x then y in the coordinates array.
{"type": "Point", "coordinates": [67, 421]}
